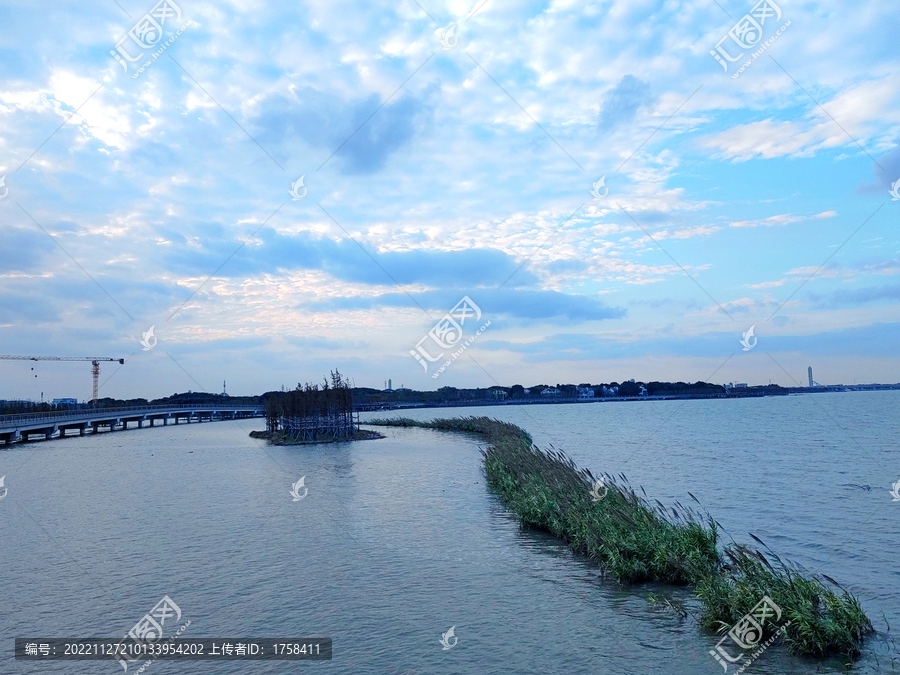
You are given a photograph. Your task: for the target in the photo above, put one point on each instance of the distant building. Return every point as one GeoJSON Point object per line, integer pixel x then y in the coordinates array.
{"type": "Point", "coordinates": [740, 385]}
{"type": "Point", "coordinates": [643, 391]}
{"type": "Point", "coordinates": [551, 391]}
{"type": "Point", "coordinates": [585, 392]}
{"type": "Point", "coordinates": [65, 401]}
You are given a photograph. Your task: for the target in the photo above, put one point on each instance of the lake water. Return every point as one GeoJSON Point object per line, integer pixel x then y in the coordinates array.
{"type": "Point", "coordinates": [398, 539]}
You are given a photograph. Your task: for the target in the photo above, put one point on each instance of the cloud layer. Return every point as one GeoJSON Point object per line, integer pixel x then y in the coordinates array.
{"type": "Point", "coordinates": [436, 173]}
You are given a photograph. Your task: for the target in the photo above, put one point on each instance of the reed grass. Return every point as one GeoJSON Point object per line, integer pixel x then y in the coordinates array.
{"type": "Point", "coordinates": [636, 540]}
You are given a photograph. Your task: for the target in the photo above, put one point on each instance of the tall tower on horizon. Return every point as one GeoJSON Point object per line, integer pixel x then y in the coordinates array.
{"type": "Point", "coordinates": [390, 386]}
{"type": "Point", "coordinates": [809, 370]}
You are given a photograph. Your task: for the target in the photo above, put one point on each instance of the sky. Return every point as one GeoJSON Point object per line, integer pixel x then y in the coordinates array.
{"type": "Point", "coordinates": [457, 193]}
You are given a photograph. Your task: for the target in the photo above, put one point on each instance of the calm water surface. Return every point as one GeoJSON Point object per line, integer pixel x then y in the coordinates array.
{"type": "Point", "coordinates": [398, 539]}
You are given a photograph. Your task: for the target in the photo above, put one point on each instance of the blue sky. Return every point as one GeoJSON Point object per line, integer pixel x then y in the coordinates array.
{"type": "Point", "coordinates": [432, 174]}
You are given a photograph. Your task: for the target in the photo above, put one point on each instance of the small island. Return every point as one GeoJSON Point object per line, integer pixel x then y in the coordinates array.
{"type": "Point", "coordinates": [313, 413]}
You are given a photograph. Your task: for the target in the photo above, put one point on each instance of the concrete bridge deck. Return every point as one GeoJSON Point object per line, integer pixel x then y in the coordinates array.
{"type": "Point", "coordinates": [21, 427]}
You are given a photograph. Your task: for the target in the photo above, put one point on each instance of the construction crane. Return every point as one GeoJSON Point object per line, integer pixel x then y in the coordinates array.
{"type": "Point", "coordinates": [95, 363]}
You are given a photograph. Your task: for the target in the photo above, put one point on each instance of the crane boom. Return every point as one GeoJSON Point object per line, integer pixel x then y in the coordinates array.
{"type": "Point", "coordinates": [95, 365]}
{"type": "Point", "coordinates": [59, 358]}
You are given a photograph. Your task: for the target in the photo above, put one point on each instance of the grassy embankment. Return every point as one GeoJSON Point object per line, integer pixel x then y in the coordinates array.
{"type": "Point", "coordinates": [635, 541]}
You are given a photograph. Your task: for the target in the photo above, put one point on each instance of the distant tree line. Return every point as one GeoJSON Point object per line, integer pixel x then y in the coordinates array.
{"type": "Point", "coordinates": [187, 398]}
{"type": "Point", "coordinates": [629, 388]}
{"type": "Point", "coordinates": [444, 395]}
{"type": "Point", "coordinates": [20, 407]}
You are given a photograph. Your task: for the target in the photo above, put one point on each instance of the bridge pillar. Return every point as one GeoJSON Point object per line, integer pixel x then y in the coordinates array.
{"type": "Point", "coordinates": [81, 429]}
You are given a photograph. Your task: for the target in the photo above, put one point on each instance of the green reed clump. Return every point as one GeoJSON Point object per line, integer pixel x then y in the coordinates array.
{"type": "Point", "coordinates": [493, 429]}
{"type": "Point", "coordinates": [395, 422]}
{"type": "Point", "coordinates": [822, 622]}
{"type": "Point", "coordinates": [635, 540]}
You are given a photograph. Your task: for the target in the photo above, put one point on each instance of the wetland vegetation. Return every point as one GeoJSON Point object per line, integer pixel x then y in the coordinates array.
{"type": "Point", "coordinates": [638, 540]}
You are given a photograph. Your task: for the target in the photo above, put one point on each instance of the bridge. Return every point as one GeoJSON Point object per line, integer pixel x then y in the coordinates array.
{"type": "Point", "coordinates": [21, 427]}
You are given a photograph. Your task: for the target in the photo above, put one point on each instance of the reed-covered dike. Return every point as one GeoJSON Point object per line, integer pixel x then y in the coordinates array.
{"type": "Point", "coordinates": [636, 540]}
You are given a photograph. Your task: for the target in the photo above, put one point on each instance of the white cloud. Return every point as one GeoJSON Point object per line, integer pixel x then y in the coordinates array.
{"type": "Point", "coordinates": [852, 115]}
{"type": "Point", "coordinates": [782, 219]}
{"type": "Point", "coordinates": [768, 284]}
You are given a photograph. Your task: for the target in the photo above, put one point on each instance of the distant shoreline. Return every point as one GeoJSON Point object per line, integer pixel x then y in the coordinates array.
{"type": "Point", "coordinates": [748, 393]}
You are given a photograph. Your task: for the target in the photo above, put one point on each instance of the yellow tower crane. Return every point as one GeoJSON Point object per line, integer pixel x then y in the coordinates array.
{"type": "Point", "coordinates": [95, 363]}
